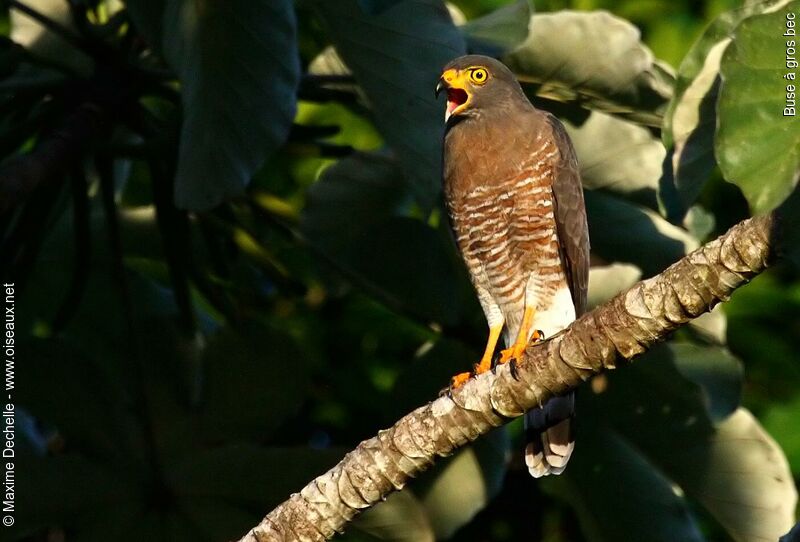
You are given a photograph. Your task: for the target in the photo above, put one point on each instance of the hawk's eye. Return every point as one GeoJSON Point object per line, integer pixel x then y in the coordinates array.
{"type": "Point", "coordinates": [478, 75]}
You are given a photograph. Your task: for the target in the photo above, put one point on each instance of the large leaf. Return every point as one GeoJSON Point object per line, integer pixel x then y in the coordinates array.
{"type": "Point", "coordinates": [671, 409]}
{"type": "Point", "coordinates": [729, 464]}
{"type": "Point", "coordinates": [500, 30]}
{"type": "Point", "coordinates": [607, 281]}
{"type": "Point", "coordinates": [741, 476]}
{"type": "Point", "coordinates": [618, 156]}
{"type": "Point", "coordinates": [465, 484]}
{"type": "Point", "coordinates": [779, 420]}
{"type": "Point", "coordinates": [410, 261]}
{"type": "Point", "coordinates": [396, 56]}
{"type": "Point", "coordinates": [239, 71]}
{"type": "Point", "coordinates": [690, 120]}
{"type": "Point", "coordinates": [353, 218]}
{"type": "Point", "coordinates": [716, 372]}
{"type": "Point", "coordinates": [595, 58]}
{"type": "Point", "coordinates": [623, 232]}
{"type": "Point", "coordinates": [351, 196]}
{"type": "Point", "coordinates": [44, 43]}
{"type": "Point", "coordinates": [401, 518]}
{"type": "Point", "coordinates": [619, 495]}
{"type": "Point", "coordinates": [758, 143]}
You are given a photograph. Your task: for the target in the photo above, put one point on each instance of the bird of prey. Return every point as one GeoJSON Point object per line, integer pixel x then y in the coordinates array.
{"type": "Point", "coordinates": [515, 201]}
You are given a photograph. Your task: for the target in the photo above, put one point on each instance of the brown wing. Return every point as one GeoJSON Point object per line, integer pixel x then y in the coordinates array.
{"type": "Point", "coordinates": [570, 214]}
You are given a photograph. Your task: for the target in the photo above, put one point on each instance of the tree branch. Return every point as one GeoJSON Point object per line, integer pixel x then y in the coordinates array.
{"type": "Point", "coordinates": [617, 331]}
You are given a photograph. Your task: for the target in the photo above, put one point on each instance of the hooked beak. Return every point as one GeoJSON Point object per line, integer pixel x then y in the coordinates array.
{"type": "Point", "coordinates": [453, 82]}
{"type": "Point", "coordinates": [441, 85]}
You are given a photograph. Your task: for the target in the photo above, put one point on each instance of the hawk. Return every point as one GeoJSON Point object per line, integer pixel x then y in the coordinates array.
{"type": "Point", "coordinates": [515, 201]}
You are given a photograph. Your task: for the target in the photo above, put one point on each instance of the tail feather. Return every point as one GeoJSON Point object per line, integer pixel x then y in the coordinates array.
{"type": "Point", "coordinates": [549, 432]}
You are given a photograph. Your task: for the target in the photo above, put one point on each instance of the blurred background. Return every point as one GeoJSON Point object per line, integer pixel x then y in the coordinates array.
{"type": "Point", "coordinates": [232, 264]}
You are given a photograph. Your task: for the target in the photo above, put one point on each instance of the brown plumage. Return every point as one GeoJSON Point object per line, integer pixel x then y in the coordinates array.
{"type": "Point", "coordinates": [515, 202]}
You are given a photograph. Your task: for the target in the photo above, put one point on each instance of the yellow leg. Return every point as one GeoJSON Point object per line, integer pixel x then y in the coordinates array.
{"type": "Point", "coordinates": [486, 361]}
{"type": "Point", "coordinates": [515, 351]}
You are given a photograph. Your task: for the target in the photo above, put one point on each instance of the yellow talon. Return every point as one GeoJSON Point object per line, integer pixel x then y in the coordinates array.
{"type": "Point", "coordinates": [515, 351]}
{"type": "Point", "coordinates": [486, 361]}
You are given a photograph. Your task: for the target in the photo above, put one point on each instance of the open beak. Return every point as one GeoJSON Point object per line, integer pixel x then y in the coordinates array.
{"type": "Point", "coordinates": [453, 82]}
{"type": "Point", "coordinates": [441, 85]}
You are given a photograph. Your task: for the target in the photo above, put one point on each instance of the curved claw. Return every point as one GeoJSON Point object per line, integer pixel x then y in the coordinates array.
{"type": "Point", "coordinates": [496, 359]}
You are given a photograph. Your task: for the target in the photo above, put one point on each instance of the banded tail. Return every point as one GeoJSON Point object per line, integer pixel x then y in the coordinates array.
{"type": "Point", "coordinates": [549, 436]}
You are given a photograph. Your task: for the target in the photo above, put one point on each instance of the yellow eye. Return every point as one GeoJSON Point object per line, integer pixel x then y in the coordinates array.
{"type": "Point", "coordinates": [478, 75]}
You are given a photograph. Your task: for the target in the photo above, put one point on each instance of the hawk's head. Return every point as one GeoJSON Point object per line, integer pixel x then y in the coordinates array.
{"type": "Point", "coordinates": [475, 83]}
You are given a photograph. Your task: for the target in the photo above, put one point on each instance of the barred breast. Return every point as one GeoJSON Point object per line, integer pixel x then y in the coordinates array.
{"type": "Point", "coordinates": [506, 230]}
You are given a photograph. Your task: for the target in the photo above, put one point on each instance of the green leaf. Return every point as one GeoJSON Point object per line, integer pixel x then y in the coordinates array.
{"type": "Point", "coordinates": [466, 484]}
{"type": "Point", "coordinates": [691, 117]}
{"type": "Point", "coordinates": [699, 222]}
{"type": "Point", "coordinates": [757, 145]}
{"type": "Point", "coordinates": [618, 156]}
{"type": "Point", "coordinates": [239, 71]}
{"type": "Point", "coordinates": [716, 371]}
{"type": "Point", "coordinates": [397, 57]}
{"type": "Point", "coordinates": [691, 121]}
{"type": "Point", "coordinates": [711, 326]}
{"type": "Point", "coordinates": [499, 31]}
{"type": "Point", "coordinates": [401, 518]}
{"type": "Point", "coordinates": [623, 232]}
{"type": "Point", "coordinates": [779, 421]}
{"type": "Point", "coordinates": [619, 495]}
{"type": "Point", "coordinates": [621, 77]}
{"type": "Point", "coordinates": [255, 377]}
{"type": "Point", "coordinates": [607, 281]}
{"type": "Point", "coordinates": [741, 476]}
{"type": "Point", "coordinates": [414, 267]}
{"type": "Point", "coordinates": [328, 62]}
{"type": "Point", "coordinates": [351, 196]}
{"type": "Point", "coordinates": [351, 218]}
{"type": "Point", "coordinates": [44, 43]}
{"type": "Point", "coordinates": [353, 129]}
{"type": "Point", "coordinates": [729, 465]}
